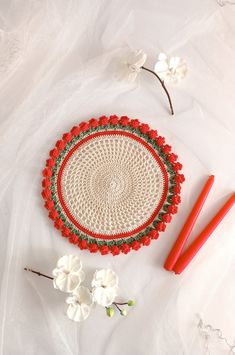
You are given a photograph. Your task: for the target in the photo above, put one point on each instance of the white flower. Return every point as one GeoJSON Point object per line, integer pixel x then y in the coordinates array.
{"type": "Point", "coordinates": [80, 304]}
{"type": "Point", "coordinates": [170, 69]}
{"type": "Point", "coordinates": [68, 274]}
{"type": "Point", "coordinates": [105, 286]}
{"type": "Point", "coordinates": [133, 64]}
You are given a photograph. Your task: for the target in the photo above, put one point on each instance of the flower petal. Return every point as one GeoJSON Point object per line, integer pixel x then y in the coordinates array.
{"type": "Point", "coordinates": [105, 277]}
{"type": "Point", "coordinates": [140, 58]}
{"type": "Point", "coordinates": [82, 275]}
{"type": "Point", "coordinates": [78, 313]}
{"type": "Point", "coordinates": [56, 272]}
{"type": "Point", "coordinates": [83, 295]}
{"type": "Point", "coordinates": [67, 282]}
{"type": "Point", "coordinates": [133, 64]}
{"type": "Point", "coordinates": [170, 70]}
{"type": "Point", "coordinates": [71, 300]}
{"type": "Point", "coordinates": [132, 76]}
{"type": "Point", "coordinates": [104, 296]}
{"type": "Point", "coordinates": [162, 56]}
{"type": "Point", "coordinates": [69, 262]}
{"type": "Point", "coordinates": [174, 62]}
{"type": "Point", "coordinates": [182, 70]}
{"type": "Point", "coordinates": [161, 67]}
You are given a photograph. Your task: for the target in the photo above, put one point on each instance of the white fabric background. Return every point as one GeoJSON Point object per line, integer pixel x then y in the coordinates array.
{"type": "Point", "coordinates": [58, 62]}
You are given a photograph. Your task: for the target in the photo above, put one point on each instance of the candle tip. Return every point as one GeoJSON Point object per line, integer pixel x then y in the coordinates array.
{"type": "Point", "coordinates": [167, 267]}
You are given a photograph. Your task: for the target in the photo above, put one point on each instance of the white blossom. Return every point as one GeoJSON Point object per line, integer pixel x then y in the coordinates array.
{"type": "Point", "coordinates": [68, 274]}
{"type": "Point", "coordinates": [170, 69]}
{"type": "Point", "coordinates": [80, 303]}
{"type": "Point", "coordinates": [133, 64]}
{"type": "Point", "coordinates": [105, 287]}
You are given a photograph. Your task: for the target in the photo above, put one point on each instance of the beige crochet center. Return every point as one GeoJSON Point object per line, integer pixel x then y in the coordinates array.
{"type": "Point", "coordinates": [112, 184]}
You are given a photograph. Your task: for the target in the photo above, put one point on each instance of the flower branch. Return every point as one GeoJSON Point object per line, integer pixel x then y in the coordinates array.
{"type": "Point", "coordinates": [38, 273]}
{"type": "Point", "coordinates": [171, 69]}
{"type": "Point", "coordinates": [163, 86]}
{"type": "Point", "coordinates": [68, 276]}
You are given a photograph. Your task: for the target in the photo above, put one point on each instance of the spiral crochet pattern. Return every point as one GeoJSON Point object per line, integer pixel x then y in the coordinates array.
{"type": "Point", "coordinates": [111, 185]}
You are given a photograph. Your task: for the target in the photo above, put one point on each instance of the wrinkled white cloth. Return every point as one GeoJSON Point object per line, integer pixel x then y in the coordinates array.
{"type": "Point", "coordinates": [58, 62]}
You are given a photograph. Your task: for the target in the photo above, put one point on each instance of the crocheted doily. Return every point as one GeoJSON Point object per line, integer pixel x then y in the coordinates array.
{"type": "Point", "coordinates": [111, 184]}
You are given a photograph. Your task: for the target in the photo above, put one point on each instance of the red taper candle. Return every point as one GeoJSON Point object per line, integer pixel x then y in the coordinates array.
{"type": "Point", "coordinates": [188, 226]}
{"type": "Point", "coordinates": [192, 250]}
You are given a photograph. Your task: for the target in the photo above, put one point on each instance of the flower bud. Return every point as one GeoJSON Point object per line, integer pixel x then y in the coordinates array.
{"type": "Point", "coordinates": [123, 312]}
{"type": "Point", "coordinates": [110, 312]}
{"type": "Point", "coordinates": [131, 303]}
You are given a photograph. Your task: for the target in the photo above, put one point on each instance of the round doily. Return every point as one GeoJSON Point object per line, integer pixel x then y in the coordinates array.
{"type": "Point", "coordinates": [111, 185]}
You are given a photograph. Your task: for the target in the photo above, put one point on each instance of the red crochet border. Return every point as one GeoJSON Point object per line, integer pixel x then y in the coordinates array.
{"type": "Point", "coordinates": [120, 235]}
